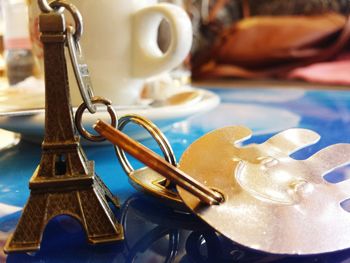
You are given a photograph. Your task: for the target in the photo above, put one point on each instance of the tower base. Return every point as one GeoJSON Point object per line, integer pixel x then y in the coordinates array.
{"type": "Point", "coordinates": [87, 202]}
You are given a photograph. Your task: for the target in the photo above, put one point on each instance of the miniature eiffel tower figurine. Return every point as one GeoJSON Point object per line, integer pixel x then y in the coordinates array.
{"type": "Point", "coordinates": [64, 182]}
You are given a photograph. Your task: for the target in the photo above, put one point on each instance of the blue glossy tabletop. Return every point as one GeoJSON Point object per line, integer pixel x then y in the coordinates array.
{"type": "Point", "coordinates": [154, 232]}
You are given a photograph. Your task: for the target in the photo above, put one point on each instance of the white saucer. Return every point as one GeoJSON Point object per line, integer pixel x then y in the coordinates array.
{"type": "Point", "coordinates": [31, 125]}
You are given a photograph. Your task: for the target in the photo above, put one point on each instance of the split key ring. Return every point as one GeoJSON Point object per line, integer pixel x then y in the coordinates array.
{"type": "Point", "coordinates": [79, 118]}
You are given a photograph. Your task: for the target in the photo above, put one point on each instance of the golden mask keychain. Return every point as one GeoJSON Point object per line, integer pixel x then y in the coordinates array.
{"type": "Point", "coordinates": [266, 200]}
{"type": "Point", "coordinates": [273, 202]}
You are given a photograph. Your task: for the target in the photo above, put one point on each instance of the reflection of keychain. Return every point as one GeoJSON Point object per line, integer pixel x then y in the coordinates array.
{"type": "Point", "coordinates": [159, 224]}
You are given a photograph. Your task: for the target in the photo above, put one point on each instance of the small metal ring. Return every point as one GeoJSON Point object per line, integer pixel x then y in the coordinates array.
{"type": "Point", "coordinates": [79, 115]}
{"type": "Point", "coordinates": [46, 8]}
{"type": "Point", "coordinates": [74, 11]}
{"type": "Point", "coordinates": [154, 131]}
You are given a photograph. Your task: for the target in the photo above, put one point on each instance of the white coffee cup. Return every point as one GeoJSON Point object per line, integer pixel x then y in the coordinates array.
{"type": "Point", "coordinates": [120, 44]}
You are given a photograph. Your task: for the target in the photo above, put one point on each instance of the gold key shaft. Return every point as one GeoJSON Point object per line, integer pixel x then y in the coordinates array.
{"type": "Point", "coordinates": [157, 163]}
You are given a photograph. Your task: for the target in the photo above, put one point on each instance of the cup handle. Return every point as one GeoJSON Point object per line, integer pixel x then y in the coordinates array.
{"type": "Point", "coordinates": [148, 59]}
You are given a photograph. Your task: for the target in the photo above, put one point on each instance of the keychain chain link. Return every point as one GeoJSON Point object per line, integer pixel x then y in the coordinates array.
{"type": "Point", "coordinates": [58, 6]}
{"type": "Point", "coordinates": [45, 7]}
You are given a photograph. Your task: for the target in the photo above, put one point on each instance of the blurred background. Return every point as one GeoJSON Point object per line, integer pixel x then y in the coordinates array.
{"type": "Point", "coordinates": [233, 40]}
{"type": "Point", "coordinates": [255, 39]}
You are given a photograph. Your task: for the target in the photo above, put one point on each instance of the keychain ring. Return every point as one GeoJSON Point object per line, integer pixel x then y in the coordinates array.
{"type": "Point", "coordinates": [79, 115]}
{"type": "Point", "coordinates": [46, 8]}
{"type": "Point", "coordinates": [74, 11]}
{"type": "Point", "coordinates": [154, 131]}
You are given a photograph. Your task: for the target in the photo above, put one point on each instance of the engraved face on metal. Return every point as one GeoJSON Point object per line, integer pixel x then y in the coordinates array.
{"type": "Point", "coordinates": [273, 202]}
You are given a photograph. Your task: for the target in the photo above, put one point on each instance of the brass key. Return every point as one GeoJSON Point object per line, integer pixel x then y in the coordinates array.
{"type": "Point", "coordinates": [158, 164]}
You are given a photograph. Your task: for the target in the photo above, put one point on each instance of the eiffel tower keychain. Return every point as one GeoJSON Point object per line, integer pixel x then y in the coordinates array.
{"type": "Point", "coordinates": [65, 181]}
{"type": "Point", "coordinates": [255, 195]}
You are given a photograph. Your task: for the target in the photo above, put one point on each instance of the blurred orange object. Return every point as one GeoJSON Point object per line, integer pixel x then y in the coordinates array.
{"type": "Point", "coordinates": [267, 46]}
{"type": "Point", "coordinates": [262, 41]}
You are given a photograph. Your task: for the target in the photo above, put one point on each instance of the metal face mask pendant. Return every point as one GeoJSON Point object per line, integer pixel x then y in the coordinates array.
{"type": "Point", "coordinates": [273, 202]}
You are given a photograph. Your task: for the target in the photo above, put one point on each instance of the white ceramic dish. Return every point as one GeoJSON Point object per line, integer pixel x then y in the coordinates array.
{"type": "Point", "coordinates": [31, 126]}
